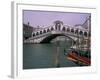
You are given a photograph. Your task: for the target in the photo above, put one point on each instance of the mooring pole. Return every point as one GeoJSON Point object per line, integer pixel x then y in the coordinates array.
{"type": "Point", "coordinates": [57, 54]}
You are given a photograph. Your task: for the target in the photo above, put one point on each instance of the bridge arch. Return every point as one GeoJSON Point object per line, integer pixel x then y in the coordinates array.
{"type": "Point", "coordinates": [72, 30]}
{"type": "Point", "coordinates": [68, 29]}
{"type": "Point", "coordinates": [55, 27]}
{"type": "Point", "coordinates": [37, 33]}
{"type": "Point", "coordinates": [52, 28]}
{"type": "Point", "coordinates": [58, 25]}
{"type": "Point", "coordinates": [76, 31]}
{"type": "Point", "coordinates": [52, 36]}
{"type": "Point", "coordinates": [48, 30]}
{"type": "Point", "coordinates": [44, 31]}
{"type": "Point", "coordinates": [63, 29]}
{"type": "Point", "coordinates": [33, 34]}
{"type": "Point", "coordinates": [40, 32]}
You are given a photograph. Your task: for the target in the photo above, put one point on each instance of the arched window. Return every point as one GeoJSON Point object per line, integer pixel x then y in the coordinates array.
{"type": "Point", "coordinates": [63, 29]}
{"type": "Point", "coordinates": [52, 28]}
{"type": "Point", "coordinates": [33, 34]}
{"type": "Point", "coordinates": [68, 30]}
{"type": "Point", "coordinates": [85, 34]}
{"type": "Point", "coordinates": [72, 30]}
{"type": "Point", "coordinates": [40, 32]}
{"type": "Point", "coordinates": [81, 33]}
{"type": "Point", "coordinates": [37, 33]}
{"type": "Point", "coordinates": [56, 26]}
{"type": "Point", "coordinates": [48, 30]}
{"type": "Point", "coordinates": [44, 31]}
{"type": "Point", "coordinates": [59, 26]}
{"type": "Point", "coordinates": [76, 31]}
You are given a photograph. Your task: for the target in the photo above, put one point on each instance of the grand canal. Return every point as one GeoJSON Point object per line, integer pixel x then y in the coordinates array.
{"type": "Point", "coordinates": [44, 55]}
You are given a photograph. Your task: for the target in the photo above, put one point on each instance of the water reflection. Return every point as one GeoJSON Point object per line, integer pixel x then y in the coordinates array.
{"type": "Point", "coordinates": [46, 55]}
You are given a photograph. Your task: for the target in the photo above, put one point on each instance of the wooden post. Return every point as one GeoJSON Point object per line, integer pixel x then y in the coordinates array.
{"type": "Point", "coordinates": [57, 54]}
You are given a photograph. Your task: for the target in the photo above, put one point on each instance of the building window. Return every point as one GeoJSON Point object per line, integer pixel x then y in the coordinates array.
{"type": "Point", "coordinates": [85, 34]}
{"type": "Point", "coordinates": [81, 33]}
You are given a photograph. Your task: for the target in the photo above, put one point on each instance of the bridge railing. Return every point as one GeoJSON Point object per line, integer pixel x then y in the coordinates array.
{"type": "Point", "coordinates": [58, 32]}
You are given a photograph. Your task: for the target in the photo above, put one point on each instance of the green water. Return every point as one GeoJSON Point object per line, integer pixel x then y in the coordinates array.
{"type": "Point", "coordinates": [44, 56]}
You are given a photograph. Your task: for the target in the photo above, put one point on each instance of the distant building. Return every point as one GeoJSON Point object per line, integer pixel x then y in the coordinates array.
{"type": "Point", "coordinates": [27, 31]}
{"type": "Point", "coordinates": [87, 23]}
{"type": "Point", "coordinates": [38, 28]}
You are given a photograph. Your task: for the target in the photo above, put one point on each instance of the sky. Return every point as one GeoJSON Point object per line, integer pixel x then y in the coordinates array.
{"type": "Point", "coordinates": [46, 18]}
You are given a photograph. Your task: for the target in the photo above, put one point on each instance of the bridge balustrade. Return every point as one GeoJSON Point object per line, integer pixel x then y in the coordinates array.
{"type": "Point", "coordinates": [62, 31]}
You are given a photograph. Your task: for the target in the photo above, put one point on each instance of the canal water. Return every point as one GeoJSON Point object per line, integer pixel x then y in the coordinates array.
{"type": "Point", "coordinates": [44, 56]}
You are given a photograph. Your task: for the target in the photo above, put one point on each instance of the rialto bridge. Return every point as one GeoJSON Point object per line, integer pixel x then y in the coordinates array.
{"type": "Point", "coordinates": [45, 35]}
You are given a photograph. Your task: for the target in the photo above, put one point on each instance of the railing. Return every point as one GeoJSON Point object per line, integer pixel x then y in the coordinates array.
{"type": "Point", "coordinates": [58, 32]}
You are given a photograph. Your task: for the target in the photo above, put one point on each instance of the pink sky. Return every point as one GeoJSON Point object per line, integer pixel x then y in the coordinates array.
{"type": "Point", "coordinates": [46, 18]}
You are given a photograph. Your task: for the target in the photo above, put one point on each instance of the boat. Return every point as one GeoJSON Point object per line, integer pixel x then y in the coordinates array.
{"type": "Point", "coordinates": [79, 59]}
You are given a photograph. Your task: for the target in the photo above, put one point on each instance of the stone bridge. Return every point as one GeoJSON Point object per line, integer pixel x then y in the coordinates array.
{"type": "Point", "coordinates": [45, 35]}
